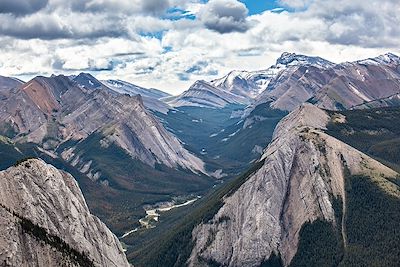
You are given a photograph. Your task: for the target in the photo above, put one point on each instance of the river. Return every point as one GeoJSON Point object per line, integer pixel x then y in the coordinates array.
{"type": "Point", "coordinates": [153, 215]}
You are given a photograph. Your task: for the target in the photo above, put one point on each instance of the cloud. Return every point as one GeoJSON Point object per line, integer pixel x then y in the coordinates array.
{"type": "Point", "coordinates": [56, 26]}
{"type": "Point", "coordinates": [21, 7]}
{"type": "Point", "coordinates": [357, 23]}
{"type": "Point", "coordinates": [153, 44]}
{"type": "Point", "coordinates": [224, 16]}
{"type": "Point", "coordinates": [295, 4]}
{"type": "Point", "coordinates": [153, 7]}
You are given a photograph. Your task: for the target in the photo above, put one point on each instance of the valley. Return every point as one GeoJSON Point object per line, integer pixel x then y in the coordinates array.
{"type": "Point", "coordinates": [199, 133]}
{"type": "Point", "coordinates": [271, 161]}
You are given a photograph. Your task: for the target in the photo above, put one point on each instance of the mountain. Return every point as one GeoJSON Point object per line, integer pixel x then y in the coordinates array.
{"type": "Point", "coordinates": [151, 97]}
{"type": "Point", "coordinates": [123, 87]}
{"type": "Point", "coordinates": [251, 83]}
{"type": "Point", "coordinates": [332, 86]}
{"type": "Point", "coordinates": [87, 81]}
{"type": "Point", "coordinates": [45, 221]}
{"type": "Point", "coordinates": [8, 83]}
{"type": "Point", "coordinates": [6, 86]}
{"type": "Point", "coordinates": [204, 94]}
{"type": "Point", "coordinates": [241, 87]}
{"type": "Point", "coordinates": [391, 101]}
{"type": "Point", "coordinates": [65, 112]}
{"type": "Point", "coordinates": [311, 200]}
{"type": "Point", "coordinates": [246, 83]}
{"type": "Point", "coordinates": [356, 83]}
{"type": "Point", "coordinates": [116, 148]}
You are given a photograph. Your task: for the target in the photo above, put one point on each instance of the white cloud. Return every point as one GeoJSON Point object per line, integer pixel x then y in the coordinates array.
{"type": "Point", "coordinates": [21, 7]}
{"type": "Point", "coordinates": [224, 16]}
{"type": "Point", "coordinates": [296, 4]}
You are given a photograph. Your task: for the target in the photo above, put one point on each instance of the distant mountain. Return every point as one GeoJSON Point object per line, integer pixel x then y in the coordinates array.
{"type": "Point", "coordinates": [87, 81]}
{"type": "Point", "coordinates": [332, 86]}
{"type": "Point", "coordinates": [252, 83]}
{"type": "Point", "coordinates": [204, 94]}
{"type": "Point", "coordinates": [45, 221]}
{"type": "Point", "coordinates": [150, 97]}
{"type": "Point", "coordinates": [123, 87]}
{"type": "Point", "coordinates": [310, 200]}
{"type": "Point", "coordinates": [7, 84]}
{"type": "Point", "coordinates": [391, 101]}
{"type": "Point", "coordinates": [52, 111]}
{"type": "Point", "coordinates": [356, 83]}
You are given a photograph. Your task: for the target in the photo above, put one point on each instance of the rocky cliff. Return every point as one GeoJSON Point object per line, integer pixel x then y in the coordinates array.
{"type": "Point", "coordinates": [301, 176]}
{"type": "Point", "coordinates": [45, 221]}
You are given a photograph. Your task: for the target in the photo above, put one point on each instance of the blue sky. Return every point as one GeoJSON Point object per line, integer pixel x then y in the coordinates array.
{"type": "Point", "coordinates": [258, 6]}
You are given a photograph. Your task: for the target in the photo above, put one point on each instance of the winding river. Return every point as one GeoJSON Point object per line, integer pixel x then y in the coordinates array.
{"type": "Point", "coordinates": [152, 216]}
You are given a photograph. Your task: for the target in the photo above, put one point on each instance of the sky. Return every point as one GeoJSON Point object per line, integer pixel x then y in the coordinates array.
{"type": "Point", "coordinates": [169, 44]}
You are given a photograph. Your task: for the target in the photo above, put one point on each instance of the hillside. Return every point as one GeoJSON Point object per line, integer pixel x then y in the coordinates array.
{"type": "Point", "coordinates": [306, 182]}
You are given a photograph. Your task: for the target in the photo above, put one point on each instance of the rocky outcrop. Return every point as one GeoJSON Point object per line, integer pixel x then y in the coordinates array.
{"type": "Point", "coordinates": [45, 221]}
{"type": "Point", "coordinates": [301, 176]}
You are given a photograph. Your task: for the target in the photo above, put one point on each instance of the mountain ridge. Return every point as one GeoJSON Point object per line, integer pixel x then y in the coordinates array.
{"type": "Point", "coordinates": [204, 94]}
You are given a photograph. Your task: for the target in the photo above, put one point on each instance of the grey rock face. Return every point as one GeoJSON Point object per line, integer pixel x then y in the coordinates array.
{"type": "Point", "coordinates": [51, 200]}
{"type": "Point", "coordinates": [302, 173]}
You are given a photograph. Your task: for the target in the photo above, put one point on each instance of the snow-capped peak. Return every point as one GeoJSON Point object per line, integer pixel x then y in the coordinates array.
{"type": "Point", "coordinates": [388, 58]}
{"type": "Point", "coordinates": [293, 59]}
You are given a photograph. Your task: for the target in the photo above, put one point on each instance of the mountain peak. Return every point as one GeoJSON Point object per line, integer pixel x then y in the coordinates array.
{"type": "Point", "coordinates": [286, 58]}
{"type": "Point", "coordinates": [293, 59]}
{"type": "Point", "coordinates": [388, 58]}
{"type": "Point", "coordinates": [199, 84]}
{"type": "Point", "coordinates": [87, 80]}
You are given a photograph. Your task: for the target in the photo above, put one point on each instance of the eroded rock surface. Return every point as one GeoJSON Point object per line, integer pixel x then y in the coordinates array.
{"type": "Point", "coordinates": [302, 174]}
{"type": "Point", "coordinates": [45, 221]}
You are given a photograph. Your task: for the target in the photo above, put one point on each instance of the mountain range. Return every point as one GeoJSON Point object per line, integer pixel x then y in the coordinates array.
{"type": "Point", "coordinates": [294, 165]}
